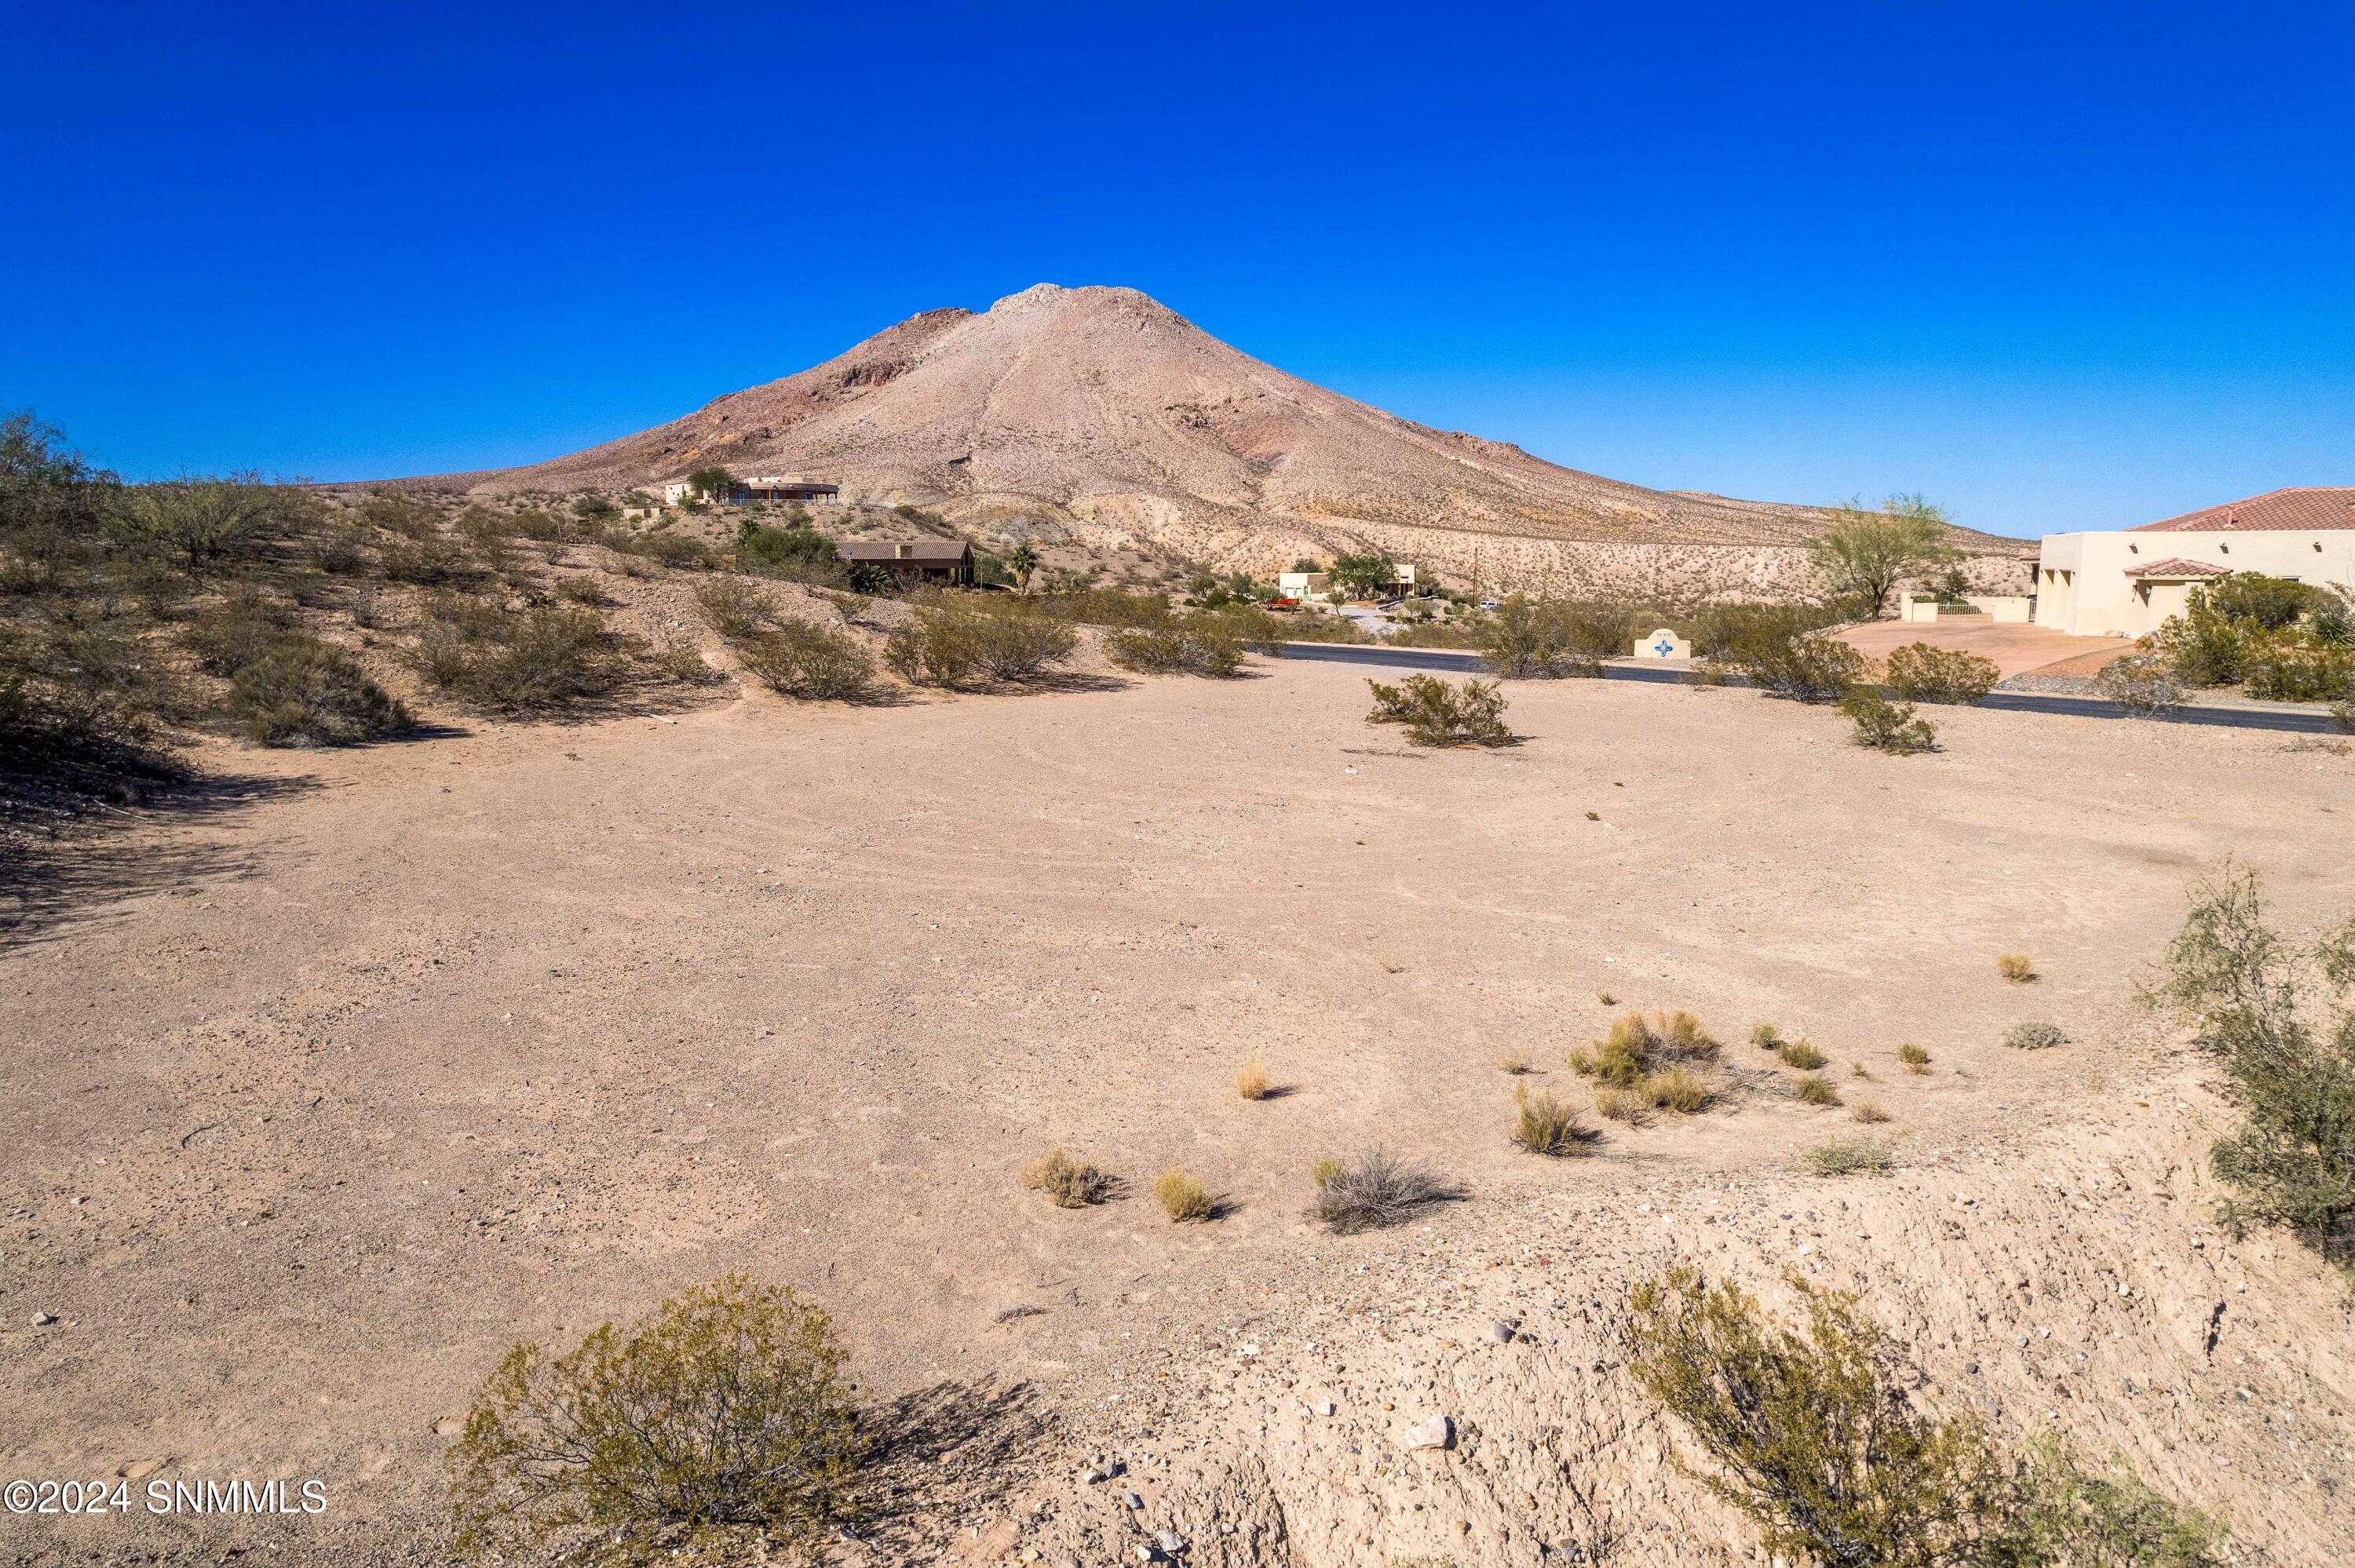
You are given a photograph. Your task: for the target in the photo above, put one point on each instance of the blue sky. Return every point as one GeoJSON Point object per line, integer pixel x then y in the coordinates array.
{"type": "Point", "coordinates": [2056, 266]}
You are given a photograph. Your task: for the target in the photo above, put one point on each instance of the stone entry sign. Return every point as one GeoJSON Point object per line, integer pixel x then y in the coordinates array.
{"type": "Point", "coordinates": [1663, 645]}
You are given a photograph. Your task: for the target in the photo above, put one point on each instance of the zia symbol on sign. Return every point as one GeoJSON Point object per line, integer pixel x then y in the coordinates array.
{"type": "Point", "coordinates": [1664, 647]}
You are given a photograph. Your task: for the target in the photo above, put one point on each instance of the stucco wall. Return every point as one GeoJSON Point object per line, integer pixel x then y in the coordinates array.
{"type": "Point", "coordinates": [2083, 587]}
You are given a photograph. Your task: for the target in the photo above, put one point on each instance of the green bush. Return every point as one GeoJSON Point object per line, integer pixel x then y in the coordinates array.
{"type": "Point", "coordinates": [2061, 1512]}
{"type": "Point", "coordinates": [306, 693]}
{"type": "Point", "coordinates": [2282, 671]}
{"type": "Point", "coordinates": [2255, 600]}
{"type": "Point", "coordinates": [798, 554]}
{"type": "Point", "coordinates": [427, 562]}
{"type": "Point", "coordinates": [1814, 668]}
{"type": "Point", "coordinates": [1187, 647]}
{"type": "Point", "coordinates": [2343, 715]}
{"type": "Point", "coordinates": [1884, 725]}
{"type": "Point", "coordinates": [2246, 995]}
{"type": "Point", "coordinates": [543, 660]}
{"type": "Point", "coordinates": [1436, 714]}
{"type": "Point", "coordinates": [734, 609]}
{"type": "Point", "coordinates": [1920, 673]}
{"type": "Point", "coordinates": [723, 1418]}
{"type": "Point", "coordinates": [234, 633]}
{"type": "Point", "coordinates": [1735, 633]}
{"type": "Point", "coordinates": [1798, 1053]}
{"type": "Point", "coordinates": [1637, 1047]}
{"type": "Point", "coordinates": [2144, 683]}
{"type": "Point", "coordinates": [1529, 639]}
{"type": "Point", "coordinates": [1812, 1435]}
{"type": "Point", "coordinates": [1543, 1125]}
{"type": "Point", "coordinates": [957, 645]}
{"type": "Point", "coordinates": [800, 659]}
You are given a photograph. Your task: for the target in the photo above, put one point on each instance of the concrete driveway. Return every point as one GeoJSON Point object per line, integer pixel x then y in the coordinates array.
{"type": "Point", "coordinates": [2016, 650]}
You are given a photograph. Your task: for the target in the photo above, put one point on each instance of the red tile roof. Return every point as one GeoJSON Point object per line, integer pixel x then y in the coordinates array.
{"type": "Point", "coordinates": [2299, 508]}
{"type": "Point", "coordinates": [2177, 567]}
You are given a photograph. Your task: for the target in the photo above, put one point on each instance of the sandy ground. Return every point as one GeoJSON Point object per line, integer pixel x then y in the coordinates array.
{"type": "Point", "coordinates": [2016, 650]}
{"type": "Point", "coordinates": [320, 1097]}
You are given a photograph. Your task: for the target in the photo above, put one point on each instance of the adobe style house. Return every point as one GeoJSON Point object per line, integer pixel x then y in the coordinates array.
{"type": "Point", "coordinates": [2128, 582]}
{"type": "Point", "coordinates": [945, 561]}
{"type": "Point", "coordinates": [774, 487]}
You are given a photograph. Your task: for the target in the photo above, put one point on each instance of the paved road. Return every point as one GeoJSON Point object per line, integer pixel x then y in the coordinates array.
{"type": "Point", "coordinates": [2289, 720]}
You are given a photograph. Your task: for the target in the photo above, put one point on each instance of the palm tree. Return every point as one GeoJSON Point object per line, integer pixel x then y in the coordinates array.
{"type": "Point", "coordinates": [1024, 561]}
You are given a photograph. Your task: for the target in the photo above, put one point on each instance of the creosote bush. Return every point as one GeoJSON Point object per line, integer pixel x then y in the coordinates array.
{"type": "Point", "coordinates": [1917, 1060]}
{"type": "Point", "coordinates": [1192, 646]}
{"type": "Point", "coordinates": [541, 659]}
{"type": "Point", "coordinates": [812, 662]}
{"type": "Point", "coordinates": [2034, 1036]}
{"type": "Point", "coordinates": [1182, 1198]}
{"type": "Point", "coordinates": [1251, 1081]}
{"type": "Point", "coordinates": [1543, 1125]}
{"type": "Point", "coordinates": [1373, 1189]}
{"type": "Point", "coordinates": [1883, 726]}
{"type": "Point", "coordinates": [723, 1417]}
{"type": "Point", "coordinates": [306, 692]}
{"type": "Point", "coordinates": [1851, 1157]}
{"type": "Point", "coordinates": [1920, 673]}
{"type": "Point", "coordinates": [1814, 1089]}
{"type": "Point", "coordinates": [2250, 998]}
{"type": "Point", "coordinates": [2017, 968]}
{"type": "Point", "coordinates": [1437, 714]}
{"type": "Point", "coordinates": [956, 645]}
{"type": "Point", "coordinates": [2144, 683]}
{"type": "Point", "coordinates": [1815, 1435]}
{"type": "Point", "coordinates": [1070, 1184]}
{"type": "Point", "coordinates": [1813, 668]}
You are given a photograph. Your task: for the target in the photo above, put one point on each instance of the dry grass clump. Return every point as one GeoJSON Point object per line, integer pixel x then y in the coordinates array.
{"type": "Point", "coordinates": [1071, 1183]}
{"type": "Point", "coordinates": [1767, 1037]}
{"type": "Point", "coordinates": [1814, 1089]}
{"type": "Point", "coordinates": [1373, 1189]}
{"type": "Point", "coordinates": [1917, 1060]}
{"type": "Point", "coordinates": [1620, 1104]}
{"type": "Point", "coordinates": [1182, 1198]}
{"type": "Point", "coordinates": [1800, 1054]}
{"type": "Point", "coordinates": [1436, 714]}
{"type": "Point", "coordinates": [1543, 1125]}
{"type": "Point", "coordinates": [1868, 1112]}
{"type": "Point", "coordinates": [2034, 1036]}
{"type": "Point", "coordinates": [2017, 968]}
{"type": "Point", "coordinates": [1637, 1046]}
{"type": "Point", "coordinates": [1513, 1063]}
{"type": "Point", "coordinates": [1679, 1089]}
{"type": "Point", "coordinates": [1851, 1157]}
{"type": "Point", "coordinates": [1251, 1081]}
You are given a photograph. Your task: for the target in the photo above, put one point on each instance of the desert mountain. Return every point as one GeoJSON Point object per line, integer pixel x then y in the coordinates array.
{"type": "Point", "coordinates": [1099, 415]}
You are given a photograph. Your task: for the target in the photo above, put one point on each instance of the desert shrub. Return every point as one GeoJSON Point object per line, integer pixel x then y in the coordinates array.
{"type": "Point", "coordinates": [2144, 683]}
{"type": "Point", "coordinates": [1814, 668]}
{"type": "Point", "coordinates": [2343, 715]}
{"type": "Point", "coordinates": [957, 645]}
{"type": "Point", "coordinates": [1811, 1434]}
{"type": "Point", "coordinates": [812, 662]}
{"type": "Point", "coordinates": [1251, 1081]}
{"type": "Point", "coordinates": [663, 548]}
{"type": "Point", "coordinates": [1734, 633]}
{"type": "Point", "coordinates": [799, 553]}
{"type": "Point", "coordinates": [1814, 1089]}
{"type": "Point", "coordinates": [306, 693]}
{"type": "Point", "coordinates": [1851, 1156]}
{"type": "Point", "coordinates": [1917, 1060]}
{"type": "Point", "coordinates": [1614, 1103]}
{"type": "Point", "coordinates": [1070, 1184]}
{"type": "Point", "coordinates": [235, 632]}
{"type": "Point", "coordinates": [2279, 671]}
{"type": "Point", "coordinates": [2017, 968]}
{"type": "Point", "coordinates": [1637, 1046]}
{"type": "Point", "coordinates": [339, 553]}
{"type": "Point", "coordinates": [2248, 997]}
{"type": "Point", "coordinates": [1437, 714]}
{"type": "Point", "coordinates": [1543, 1125]}
{"type": "Point", "coordinates": [1374, 1189]}
{"type": "Point", "coordinates": [734, 609]}
{"type": "Point", "coordinates": [1884, 725]}
{"type": "Point", "coordinates": [722, 1414]}
{"type": "Point", "coordinates": [1182, 1198]}
{"type": "Point", "coordinates": [1920, 673]}
{"type": "Point", "coordinates": [582, 589]}
{"type": "Point", "coordinates": [1513, 1063]}
{"type": "Point", "coordinates": [545, 659]}
{"type": "Point", "coordinates": [1529, 640]}
{"type": "Point", "coordinates": [2255, 600]}
{"type": "Point", "coordinates": [1799, 1053]}
{"type": "Point", "coordinates": [2034, 1036]}
{"type": "Point", "coordinates": [2059, 1511]}
{"type": "Point", "coordinates": [1767, 1037]}
{"type": "Point", "coordinates": [202, 519]}
{"type": "Point", "coordinates": [1870, 1112]}
{"type": "Point", "coordinates": [678, 659]}
{"type": "Point", "coordinates": [1679, 1090]}
{"type": "Point", "coordinates": [1189, 647]}
{"type": "Point", "coordinates": [427, 562]}
{"type": "Point", "coordinates": [1322, 1171]}
{"type": "Point", "coordinates": [545, 527]}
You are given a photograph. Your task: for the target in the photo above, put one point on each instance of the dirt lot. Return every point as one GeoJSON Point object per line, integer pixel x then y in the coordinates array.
{"type": "Point", "coordinates": [321, 1097]}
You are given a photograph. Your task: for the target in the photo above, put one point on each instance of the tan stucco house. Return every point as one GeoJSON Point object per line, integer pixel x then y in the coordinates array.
{"type": "Point", "coordinates": [2128, 582]}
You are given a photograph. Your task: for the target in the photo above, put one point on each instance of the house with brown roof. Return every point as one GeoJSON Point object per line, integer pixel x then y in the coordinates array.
{"type": "Point", "coordinates": [2127, 582]}
{"type": "Point", "coordinates": [947, 561]}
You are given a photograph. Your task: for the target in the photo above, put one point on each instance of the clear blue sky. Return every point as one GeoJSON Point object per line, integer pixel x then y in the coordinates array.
{"type": "Point", "coordinates": [2056, 266]}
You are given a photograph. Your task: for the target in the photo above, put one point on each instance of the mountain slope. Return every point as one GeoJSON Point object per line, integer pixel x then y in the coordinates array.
{"type": "Point", "coordinates": [1101, 414]}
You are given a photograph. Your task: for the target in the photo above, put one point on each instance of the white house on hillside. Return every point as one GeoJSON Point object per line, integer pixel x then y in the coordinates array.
{"type": "Point", "coordinates": [2128, 582]}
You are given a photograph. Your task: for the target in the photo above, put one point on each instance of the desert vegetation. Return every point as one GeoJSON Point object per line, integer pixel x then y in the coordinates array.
{"type": "Point", "coordinates": [1373, 1189]}
{"type": "Point", "coordinates": [1069, 1183]}
{"type": "Point", "coordinates": [2017, 968]}
{"type": "Point", "coordinates": [961, 646]}
{"type": "Point", "coordinates": [2034, 1035]}
{"type": "Point", "coordinates": [1192, 646]}
{"type": "Point", "coordinates": [1544, 1124]}
{"type": "Point", "coordinates": [1435, 712]}
{"type": "Point", "coordinates": [1884, 725]}
{"type": "Point", "coordinates": [1182, 1198]}
{"type": "Point", "coordinates": [1918, 673]}
{"type": "Point", "coordinates": [721, 1418]}
{"type": "Point", "coordinates": [1648, 1063]}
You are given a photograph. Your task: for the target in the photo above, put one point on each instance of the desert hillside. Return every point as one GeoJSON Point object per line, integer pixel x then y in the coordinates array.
{"type": "Point", "coordinates": [1100, 416]}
